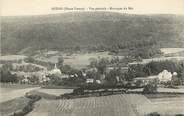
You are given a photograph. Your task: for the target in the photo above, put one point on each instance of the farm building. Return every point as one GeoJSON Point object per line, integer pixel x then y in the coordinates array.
{"type": "Point", "coordinates": [123, 68]}
{"type": "Point", "coordinates": [89, 80]}
{"type": "Point", "coordinates": [141, 81]}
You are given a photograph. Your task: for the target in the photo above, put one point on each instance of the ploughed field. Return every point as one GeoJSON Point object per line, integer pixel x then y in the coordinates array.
{"type": "Point", "coordinates": [114, 105]}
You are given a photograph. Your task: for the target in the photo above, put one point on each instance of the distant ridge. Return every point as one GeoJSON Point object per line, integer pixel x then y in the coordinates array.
{"type": "Point", "coordinates": [89, 29]}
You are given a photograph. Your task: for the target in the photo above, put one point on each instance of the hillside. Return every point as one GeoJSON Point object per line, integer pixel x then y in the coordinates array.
{"type": "Point", "coordinates": [90, 30]}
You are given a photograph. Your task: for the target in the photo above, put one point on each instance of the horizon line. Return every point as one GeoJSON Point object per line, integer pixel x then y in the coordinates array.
{"type": "Point", "coordinates": [27, 15]}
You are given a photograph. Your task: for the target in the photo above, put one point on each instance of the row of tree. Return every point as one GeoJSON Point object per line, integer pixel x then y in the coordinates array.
{"type": "Point", "coordinates": [6, 76]}
{"type": "Point", "coordinates": [155, 67]}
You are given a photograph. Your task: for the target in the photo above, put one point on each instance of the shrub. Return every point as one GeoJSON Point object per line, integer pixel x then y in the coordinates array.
{"type": "Point", "coordinates": [150, 88]}
{"type": "Point", "coordinates": [154, 114]}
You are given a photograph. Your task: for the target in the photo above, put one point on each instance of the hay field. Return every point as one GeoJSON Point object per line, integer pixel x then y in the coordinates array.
{"type": "Point", "coordinates": [114, 105]}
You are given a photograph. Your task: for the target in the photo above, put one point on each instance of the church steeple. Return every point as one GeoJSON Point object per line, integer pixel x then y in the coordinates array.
{"type": "Point", "coordinates": [55, 66]}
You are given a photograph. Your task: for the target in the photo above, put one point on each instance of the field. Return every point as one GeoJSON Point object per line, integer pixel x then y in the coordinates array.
{"type": "Point", "coordinates": [171, 50]}
{"type": "Point", "coordinates": [12, 57]}
{"type": "Point", "coordinates": [11, 91]}
{"type": "Point", "coordinates": [77, 60]}
{"type": "Point", "coordinates": [12, 96]}
{"type": "Point", "coordinates": [168, 106]}
{"type": "Point", "coordinates": [163, 90]}
{"type": "Point", "coordinates": [158, 59]}
{"type": "Point", "coordinates": [115, 105]}
{"type": "Point", "coordinates": [56, 92]}
{"type": "Point", "coordinates": [82, 60]}
{"type": "Point", "coordinates": [14, 105]}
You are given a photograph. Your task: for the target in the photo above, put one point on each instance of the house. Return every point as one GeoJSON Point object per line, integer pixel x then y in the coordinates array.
{"type": "Point", "coordinates": [164, 76]}
{"type": "Point", "coordinates": [89, 80]}
{"type": "Point", "coordinates": [98, 82]}
{"type": "Point", "coordinates": [25, 81]}
{"type": "Point", "coordinates": [112, 67]}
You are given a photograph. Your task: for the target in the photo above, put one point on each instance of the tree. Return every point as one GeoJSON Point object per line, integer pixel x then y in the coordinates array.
{"type": "Point", "coordinates": [34, 79]}
{"type": "Point", "coordinates": [30, 59]}
{"type": "Point", "coordinates": [150, 88]}
{"type": "Point", "coordinates": [66, 69]}
{"type": "Point", "coordinates": [60, 62]}
{"type": "Point", "coordinates": [6, 75]}
{"type": "Point", "coordinates": [93, 74]}
{"type": "Point", "coordinates": [181, 78]}
{"type": "Point", "coordinates": [93, 63]}
{"type": "Point", "coordinates": [111, 76]}
{"type": "Point", "coordinates": [102, 65]}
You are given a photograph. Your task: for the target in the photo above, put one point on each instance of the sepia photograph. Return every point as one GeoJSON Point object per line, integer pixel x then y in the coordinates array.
{"type": "Point", "coordinates": [92, 58]}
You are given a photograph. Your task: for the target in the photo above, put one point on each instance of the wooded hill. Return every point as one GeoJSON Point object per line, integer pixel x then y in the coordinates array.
{"type": "Point", "coordinates": [100, 30]}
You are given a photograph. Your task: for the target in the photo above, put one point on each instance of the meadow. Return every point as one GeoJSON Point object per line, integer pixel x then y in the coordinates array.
{"type": "Point", "coordinates": [12, 91]}
{"type": "Point", "coordinates": [171, 50]}
{"type": "Point", "coordinates": [12, 57]}
{"type": "Point", "coordinates": [75, 60]}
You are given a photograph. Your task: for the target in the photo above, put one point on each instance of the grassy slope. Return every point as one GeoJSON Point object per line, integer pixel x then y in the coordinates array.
{"type": "Point", "coordinates": [89, 29]}
{"type": "Point", "coordinates": [11, 106]}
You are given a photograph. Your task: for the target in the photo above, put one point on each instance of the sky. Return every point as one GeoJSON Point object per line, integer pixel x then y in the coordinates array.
{"type": "Point", "coordinates": [42, 7]}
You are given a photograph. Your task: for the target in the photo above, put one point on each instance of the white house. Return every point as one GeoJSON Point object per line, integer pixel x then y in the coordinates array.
{"type": "Point", "coordinates": [165, 76]}
{"type": "Point", "coordinates": [98, 81]}
{"type": "Point", "coordinates": [25, 80]}
{"type": "Point", "coordinates": [89, 80]}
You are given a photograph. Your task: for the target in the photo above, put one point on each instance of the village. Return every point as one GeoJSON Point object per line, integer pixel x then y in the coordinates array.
{"type": "Point", "coordinates": [103, 76]}
{"type": "Point", "coordinates": [99, 71]}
